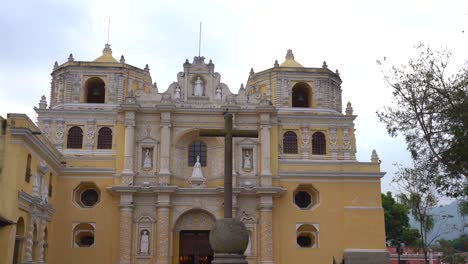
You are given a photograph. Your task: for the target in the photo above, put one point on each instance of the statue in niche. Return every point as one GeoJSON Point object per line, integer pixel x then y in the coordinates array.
{"type": "Point", "coordinates": [177, 93]}
{"type": "Point", "coordinates": [248, 250]}
{"type": "Point", "coordinates": [147, 164]}
{"type": "Point", "coordinates": [218, 94]}
{"type": "Point", "coordinates": [144, 242]}
{"type": "Point", "coordinates": [198, 89]}
{"type": "Point", "coordinates": [247, 164]}
{"type": "Point", "coordinates": [197, 171]}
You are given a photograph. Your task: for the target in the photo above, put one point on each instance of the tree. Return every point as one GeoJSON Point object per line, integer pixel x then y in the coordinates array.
{"type": "Point", "coordinates": [418, 195]}
{"type": "Point", "coordinates": [397, 226]}
{"type": "Point", "coordinates": [430, 110]}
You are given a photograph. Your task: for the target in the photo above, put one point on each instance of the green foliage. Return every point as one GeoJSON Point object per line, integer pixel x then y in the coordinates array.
{"type": "Point", "coordinates": [450, 248]}
{"type": "Point", "coordinates": [429, 110]}
{"type": "Point", "coordinates": [418, 195]}
{"type": "Point", "coordinates": [397, 227]}
{"type": "Point", "coordinates": [463, 208]}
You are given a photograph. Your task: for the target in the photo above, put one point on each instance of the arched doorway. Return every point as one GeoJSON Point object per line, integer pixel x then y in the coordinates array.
{"type": "Point", "coordinates": [191, 237]}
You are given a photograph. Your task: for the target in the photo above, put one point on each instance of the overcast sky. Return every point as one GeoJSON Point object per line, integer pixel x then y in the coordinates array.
{"type": "Point", "coordinates": [237, 35]}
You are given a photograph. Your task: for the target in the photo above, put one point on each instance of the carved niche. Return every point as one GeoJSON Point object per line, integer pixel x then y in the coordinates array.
{"type": "Point", "coordinates": [246, 162]}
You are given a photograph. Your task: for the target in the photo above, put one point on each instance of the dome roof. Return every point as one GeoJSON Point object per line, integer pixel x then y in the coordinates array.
{"type": "Point", "coordinates": [106, 55]}
{"type": "Point", "coordinates": [290, 62]}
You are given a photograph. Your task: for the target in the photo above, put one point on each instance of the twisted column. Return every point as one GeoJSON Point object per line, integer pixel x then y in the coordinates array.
{"type": "Point", "coordinates": [42, 241]}
{"type": "Point", "coordinates": [28, 252]}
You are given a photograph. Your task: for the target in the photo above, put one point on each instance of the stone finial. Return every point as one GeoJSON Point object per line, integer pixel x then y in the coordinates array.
{"type": "Point", "coordinates": [242, 87]}
{"type": "Point", "coordinates": [70, 58]}
{"type": "Point", "coordinates": [276, 64]}
{"type": "Point", "coordinates": [211, 62]}
{"type": "Point", "coordinates": [43, 102]}
{"type": "Point", "coordinates": [252, 71]}
{"type": "Point", "coordinates": [289, 55]}
{"type": "Point", "coordinates": [374, 157]}
{"type": "Point", "coordinates": [337, 72]}
{"type": "Point", "coordinates": [324, 65]}
{"type": "Point", "coordinates": [122, 59]}
{"type": "Point", "coordinates": [56, 65]}
{"type": "Point", "coordinates": [147, 68]}
{"type": "Point", "coordinates": [349, 109]}
{"type": "Point", "coordinates": [107, 50]}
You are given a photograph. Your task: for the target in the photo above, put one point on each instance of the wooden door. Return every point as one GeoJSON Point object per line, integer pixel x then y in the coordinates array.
{"type": "Point", "coordinates": [194, 247]}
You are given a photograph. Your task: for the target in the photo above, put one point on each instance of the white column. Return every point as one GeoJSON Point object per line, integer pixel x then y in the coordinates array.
{"type": "Point", "coordinates": [162, 244]}
{"type": "Point", "coordinates": [266, 230]}
{"type": "Point", "coordinates": [127, 173]}
{"type": "Point", "coordinates": [42, 227]}
{"type": "Point", "coordinates": [126, 215]}
{"type": "Point", "coordinates": [265, 145]}
{"type": "Point", "coordinates": [28, 251]}
{"type": "Point", "coordinates": [164, 171]}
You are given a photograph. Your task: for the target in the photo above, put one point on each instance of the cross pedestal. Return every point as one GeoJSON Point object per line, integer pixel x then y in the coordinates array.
{"type": "Point", "coordinates": [229, 237]}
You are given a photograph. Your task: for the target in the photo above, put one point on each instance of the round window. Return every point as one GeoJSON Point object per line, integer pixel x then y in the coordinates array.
{"type": "Point", "coordinates": [89, 197]}
{"type": "Point", "coordinates": [302, 199]}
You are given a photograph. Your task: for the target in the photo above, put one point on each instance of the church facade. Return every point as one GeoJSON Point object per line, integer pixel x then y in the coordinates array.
{"type": "Point", "coordinates": [133, 182]}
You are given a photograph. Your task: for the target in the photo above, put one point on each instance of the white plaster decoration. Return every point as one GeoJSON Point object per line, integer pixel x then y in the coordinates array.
{"type": "Point", "coordinates": [218, 94]}
{"type": "Point", "coordinates": [59, 133]}
{"type": "Point", "coordinates": [128, 172]}
{"type": "Point", "coordinates": [29, 240]}
{"type": "Point", "coordinates": [266, 233]}
{"type": "Point", "coordinates": [198, 88]}
{"type": "Point", "coordinates": [346, 143]}
{"type": "Point", "coordinates": [333, 143]}
{"type": "Point", "coordinates": [177, 93]}
{"type": "Point", "coordinates": [46, 128]}
{"type": "Point", "coordinates": [195, 220]}
{"type": "Point", "coordinates": [305, 142]}
{"type": "Point", "coordinates": [162, 246]}
{"type": "Point", "coordinates": [40, 245]}
{"type": "Point", "coordinates": [165, 139]}
{"type": "Point", "coordinates": [90, 133]}
{"type": "Point", "coordinates": [265, 145]}
{"type": "Point", "coordinates": [125, 236]}
{"type": "Point", "coordinates": [197, 180]}
{"type": "Point", "coordinates": [144, 242]}
{"type": "Point", "coordinates": [147, 154]}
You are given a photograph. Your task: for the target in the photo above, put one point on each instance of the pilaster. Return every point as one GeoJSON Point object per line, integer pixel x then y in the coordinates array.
{"type": "Point", "coordinates": [266, 230]}
{"type": "Point", "coordinates": [126, 216]}
{"type": "Point", "coordinates": [128, 173]}
{"type": "Point", "coordinates": [164, 172]}
{"type": "Point", "coordinates": [265, 148]}
{"type": "Point", "coordinates": [162, 244]}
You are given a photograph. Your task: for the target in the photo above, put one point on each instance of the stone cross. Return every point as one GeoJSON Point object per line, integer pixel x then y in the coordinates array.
{"type": "Point", "coordinates": [228, 133]}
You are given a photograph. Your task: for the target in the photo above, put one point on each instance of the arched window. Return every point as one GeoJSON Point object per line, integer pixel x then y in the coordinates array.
{"type": "Point", "coordinates": [197, 148]}
{"type": "Point", "coordinates": [290, 143]}
{"type": "Point", "coordinates": [319, 145]}
{"type": "Point", "coordinates": [83, 235]}
{"type": "Point", "coordinates": [28, 174]}
{"type": "Point", "coordinates": [104, 138]}
{"type": "Point", "coordinates": [301, 95]}
{"type": "Point", "coordinates": [75, 138]}
{"type": "Point", "coordinates": [19, 238]}
{"type": "Point", "coordinates": [307, 236]}
{"type": "Point", "coordinates": [95, 90]}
